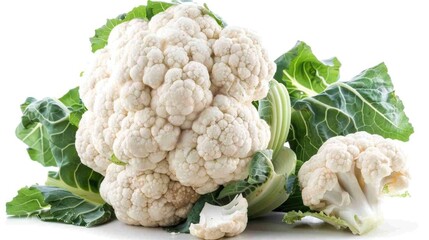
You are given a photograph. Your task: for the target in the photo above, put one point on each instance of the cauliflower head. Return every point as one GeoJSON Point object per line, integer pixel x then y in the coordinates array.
{"type": "Point", "coordinates": [348, 176]}
{"type": "Point", "coordinates": [176, 92]}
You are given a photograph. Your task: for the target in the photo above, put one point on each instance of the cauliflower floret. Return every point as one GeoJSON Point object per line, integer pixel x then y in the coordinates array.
{"type": "Point", "coordinates": [224, 130]}
{"type": "Point", "coordinates": [242, 69]}
{"type": "Point", "coordinates": [220, 145]}
{"type": "Point", "coordinates": [146, 198]}
{"type": "Point", "coordinates": [349, 175]}
{"type": "Point", "coordinates": [145, 137]}
{"type": "Point", "coordinates": [184, 94]}
{"type": "Point", "coordinates": [221, 221]}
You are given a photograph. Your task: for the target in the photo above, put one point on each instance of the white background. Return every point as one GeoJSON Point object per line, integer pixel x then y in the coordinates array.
{"type": "Point", "coordinates": [44, 46]}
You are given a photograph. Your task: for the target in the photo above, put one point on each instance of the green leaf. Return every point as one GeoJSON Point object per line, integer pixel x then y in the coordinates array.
{"type": "Point", "coordinates": [27, 102]}
{"type": "Point", "coordinates": [72, 191]}
{"type": "Point", "coordinates": [294, 202]}
{"type": "Point", "coordinates": [58, 205]}
{"type": "Point", "coordinates": [28, 202]}
{"type": "Point", "coordinates": [290, 186]}
{"type": "Point", "coordinates": [154, 8]}
{"type": "Point", "coordinates": [194, 213]}
{"type": "Point", "coordinates": [366, 103]}
{"type": "Point", "coordinates": [72, 100]}
{"type": "Point", "coordinates": [100, 39]}
{"type": "Point", "coordinates": [53, 116]}
{"type": "Point", "coordinates": [36, 138]}
{"type": "Point", "coordinates": [260, 169]}
{"type": "Point", "coordinates": [303, 74]}
{"type": "Point", "coordinates": [267, 186]}
{"type": "Point", "coordinates": [237, 187]}
{"type": "Point", "coordinates": [116, 160]}
{"type": "Point", "coordinates": [294, 216]}
{"type": "Point", "coordinates": [216, 17]}
{"type": "Point", "coordinates": [71, 209]}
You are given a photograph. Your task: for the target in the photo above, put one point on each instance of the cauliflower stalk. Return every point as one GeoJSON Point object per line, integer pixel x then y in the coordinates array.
{"type": "Point", "coordinates": [271, 172]}
{"type": "Point", "coordinates": [346, 179]}
{"type": "Point", "coordinates": [170, 112]}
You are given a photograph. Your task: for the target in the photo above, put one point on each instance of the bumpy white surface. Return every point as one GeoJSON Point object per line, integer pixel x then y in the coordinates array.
{"type": "Point", "coordinates": [177, 89]}
{"type": "Point", "coordinates": [148, 198]}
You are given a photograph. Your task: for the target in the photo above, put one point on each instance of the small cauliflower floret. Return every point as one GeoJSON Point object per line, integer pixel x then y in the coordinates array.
{"type": "Point", "coordinates": [227, 129]}
{"type": "Point", "coordinates": [188, 166]}
{"type": "Point", "coordinates": [221, 221]}
{"type": "Point", "coordinates": [87, 153]}
{"type": "Point", "coordinates": [242, 69]}
{"type": "Point", "coordinates": [146, 198]}
{"type": "Point", "coordinates": [220, 145]}
{"type": "Point", "coordinates": [184, 94]}
{"type": "Point", "coordinates": [348, 177]}
{"type": "Point", "coordinates": [144, 137]}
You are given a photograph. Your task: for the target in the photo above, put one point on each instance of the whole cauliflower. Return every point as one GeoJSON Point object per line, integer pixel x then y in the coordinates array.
{"type": "Point", "coordinates": [175, 94]}
{"type": "Point", "coordinates": [348, 176]}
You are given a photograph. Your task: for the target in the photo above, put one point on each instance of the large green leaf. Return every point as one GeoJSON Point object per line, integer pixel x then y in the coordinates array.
{"type": "Point", "coordinates": [72, 192]}
{"type": "Point", "coordinates": [366, 103]}
{"type": "Point", "coordinates": [53, 116]}
{"type": "Point", "coordinates": [303, 74]}
{"type": "Point", "coordinates": [56, 204]}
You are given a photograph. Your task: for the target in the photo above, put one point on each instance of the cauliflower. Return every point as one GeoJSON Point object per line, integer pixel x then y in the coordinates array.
{"type": "Point", "coordinates": [174, 93]}
{"type": "Point", "coordinates": [348, 176]}
{"type": "Point", "coordinates": [221, 221]}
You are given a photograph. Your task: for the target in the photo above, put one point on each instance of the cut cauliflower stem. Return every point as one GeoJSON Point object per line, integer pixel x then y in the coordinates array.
{"type": "Point", "coordinates": [221, 221]}
{"type": "Point", "coordinates": [348, 176]}
{"type": "Point", "coordinates": [172, 93]}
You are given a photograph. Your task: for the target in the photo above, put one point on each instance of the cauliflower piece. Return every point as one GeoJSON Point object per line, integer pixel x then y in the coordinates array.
{"type": "Point", "coordinates": [220, 145]}
{"type": "Point", "coordinates": [242, 68]}
{"type": "Point", "coordinates": [147, 198]}
{"type": "Point", "coordinates": [155, 101]}
{"type": "Point", "coordinates": [349, 175]}
{"type": "Point", "coordinates": [221, 221]}
{"type": "Point", "coordinates": [184, 94]}
{"type": "Point", "coordinates": [144, 137]}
